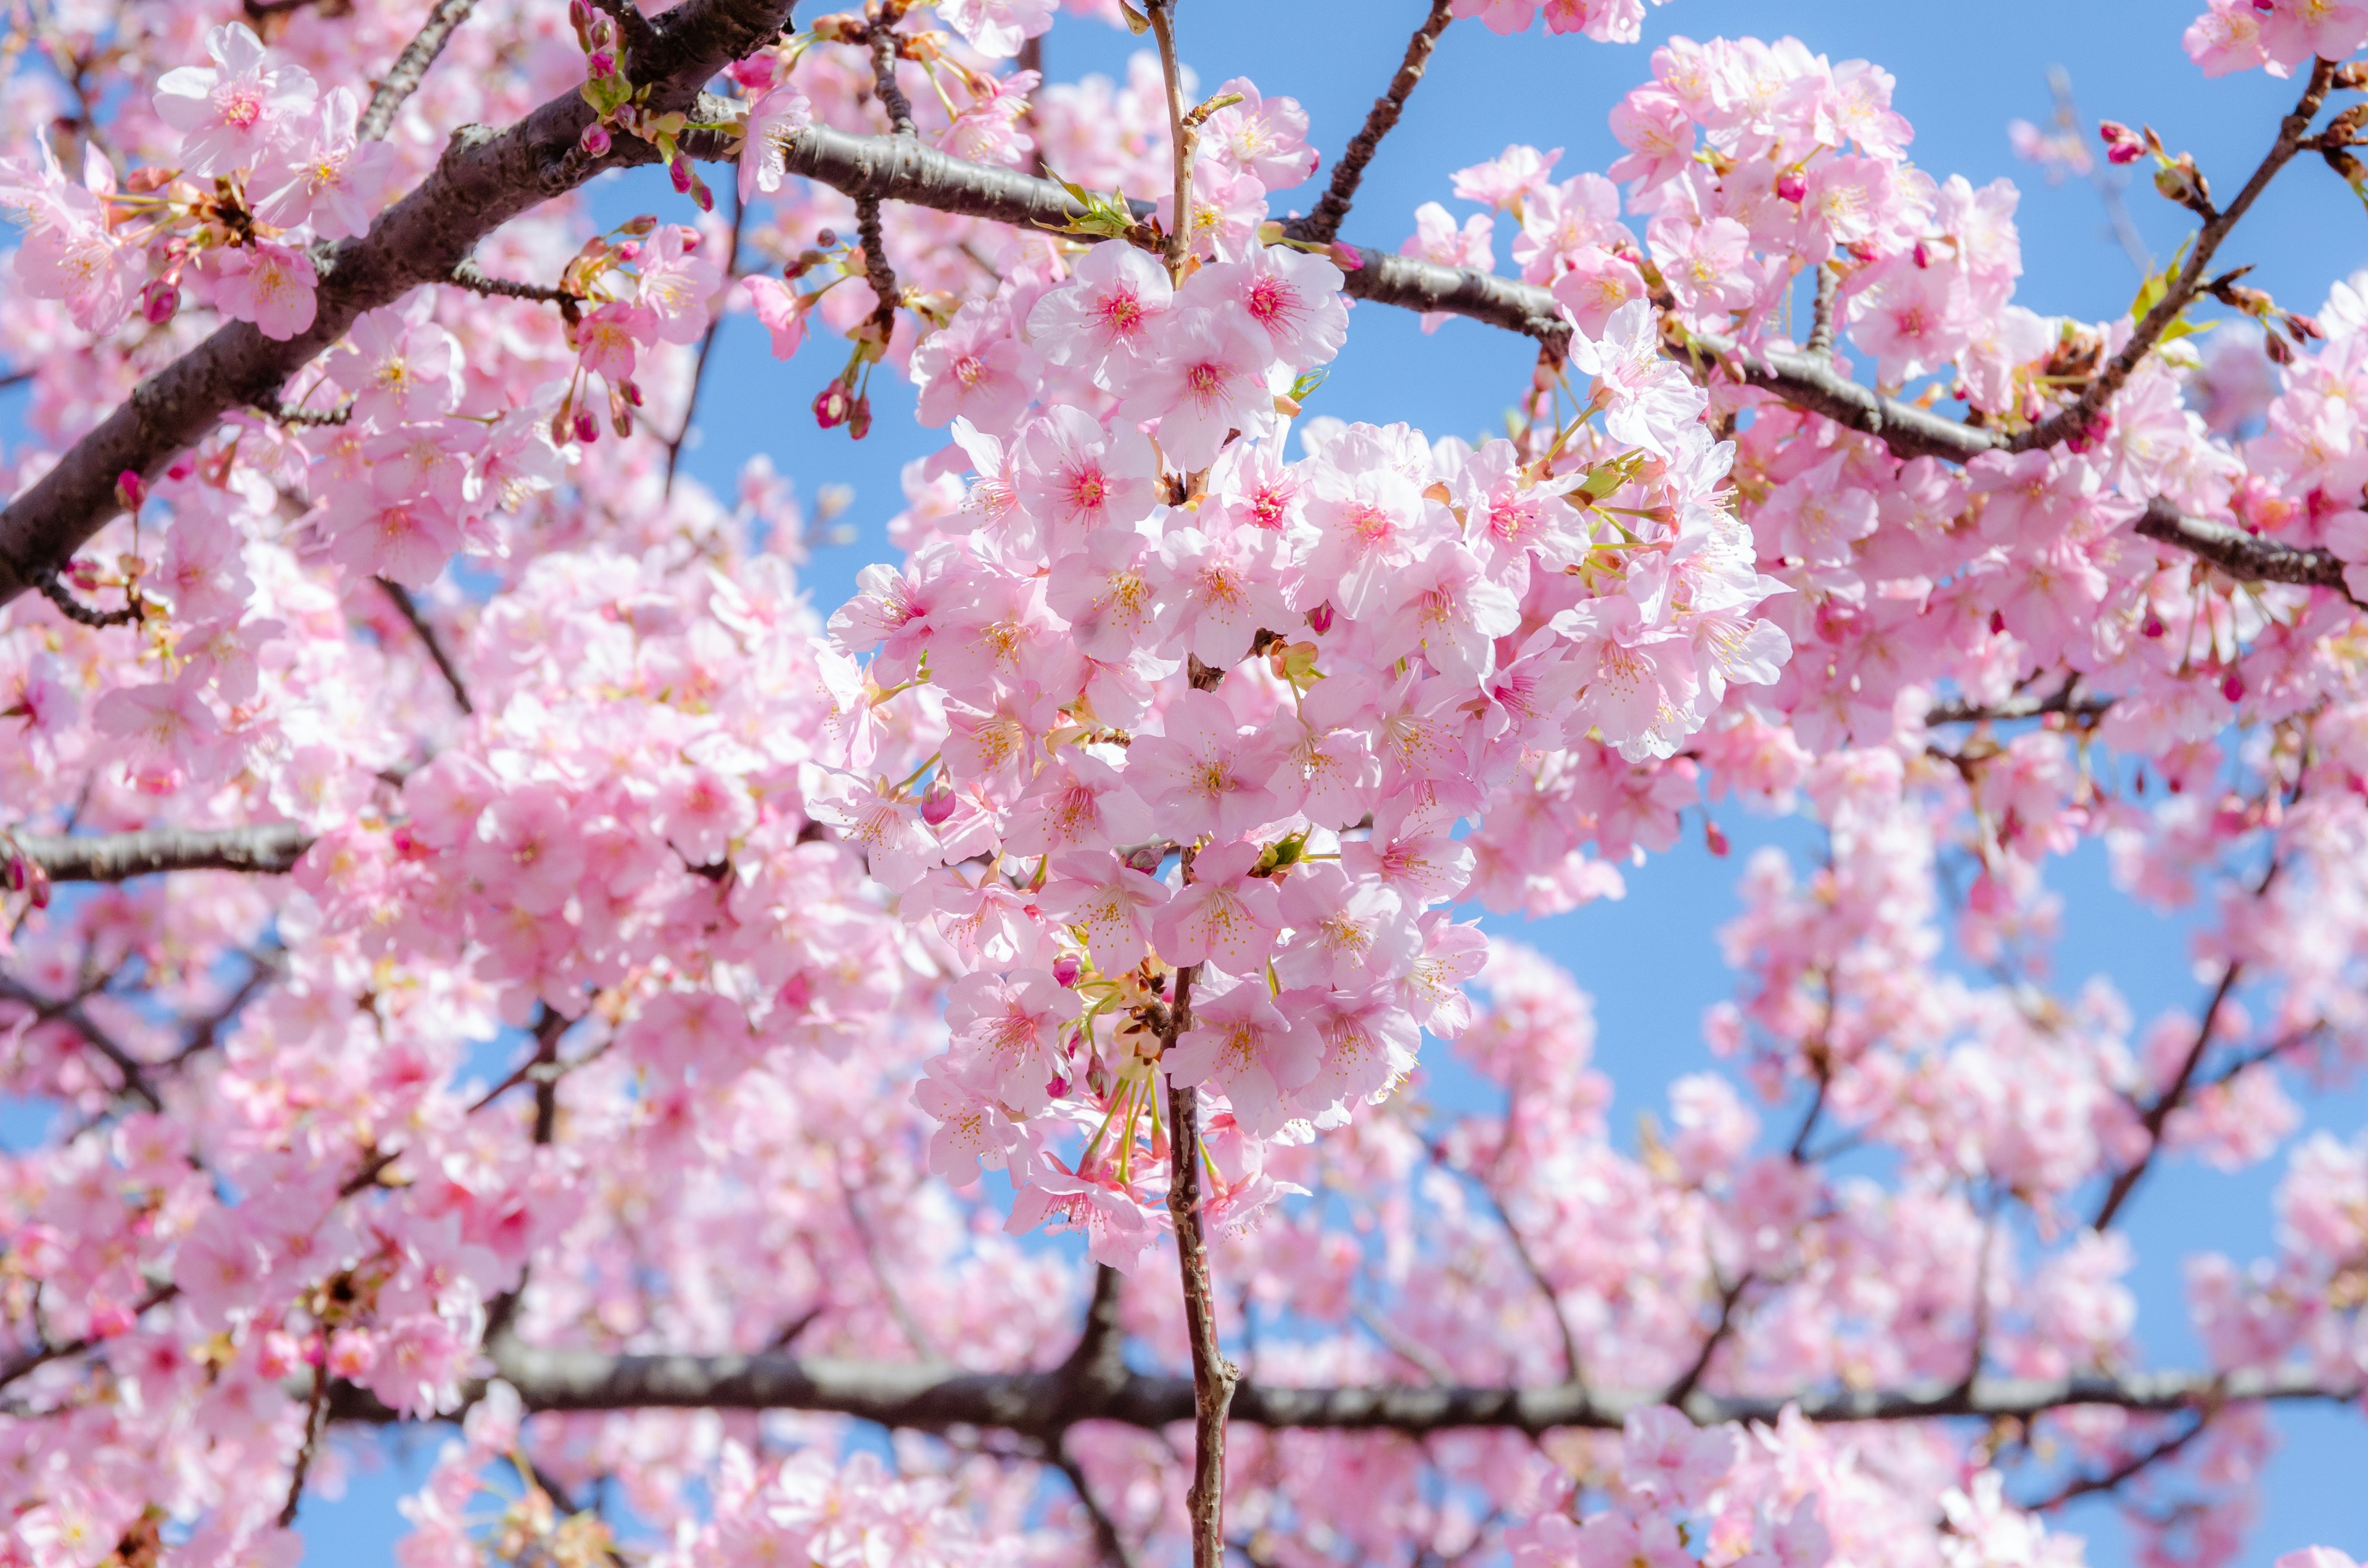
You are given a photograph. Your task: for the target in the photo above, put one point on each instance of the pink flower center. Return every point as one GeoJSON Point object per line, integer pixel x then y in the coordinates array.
{"type": "Point", "coordinates": [240, 104]}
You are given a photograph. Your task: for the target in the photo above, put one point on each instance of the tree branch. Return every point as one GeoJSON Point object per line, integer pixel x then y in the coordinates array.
{"type": "Point", "coordinates": [1215, 1378]}
{"type": "Point", "coordinates": [409, 609]}
{"type": "Point", "coordinates": [2077, 414]}
{"type": "Point", "coordinates": [69, 1012]}
{"type": "Point", "coordinates": [933, 1397]}
{"type": "Point", "coordinates": [409, 68]}
{"type": "Point", "coordinates": [1323, 225]}
{"type": "Point", "coordinates": [484, 178]}
{"type": "Point", "coordinates": [270, 848]}
{"type": "Point", "coordinates": [2112, 1480]}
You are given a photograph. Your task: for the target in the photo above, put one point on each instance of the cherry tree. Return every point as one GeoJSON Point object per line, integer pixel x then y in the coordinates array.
{"type": "Point", "coordinates": [482, 949]}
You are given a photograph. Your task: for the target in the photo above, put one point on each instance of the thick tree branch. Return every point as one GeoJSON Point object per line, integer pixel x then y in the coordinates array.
{"type": "Point", "coordinates": [485, 179]}
{"type": "Point", "coordinates": [268, 847]}
{"type": "Point", "coordinates": [1323, 225]}
{"type": "Point", "coordinates": [924, 1397]}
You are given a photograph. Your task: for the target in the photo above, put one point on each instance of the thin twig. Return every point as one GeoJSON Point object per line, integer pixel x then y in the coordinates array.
{"type": "Point", "coordinates": [707, 342]}
{"type": "Point", "coordinates": [2076, 415]}
{"type": "Point", "coordinates": [1180, 232]}
{"type": "Point", "coordinates": [69, 1012]}
{"type": "Point", "coordinates": [316, 1410]}
{"type": "Point", "coordinates": [1107, 1540]}
{"type": "Point", "coordinates": [1729, 1296]}
{"type": "Point", "coordinates": [1323, 225]}
{"type": "Point", "coordinates": [410, 67]}
{"type": "Point", "coordinates": [1214, 1376]}
{"type": "Point", "coordinates": [2101, 178]}
{"type": "Point", "coordinates": [2112, 1480]}
{"type": "Point", "coordinates": [2158, 1113]}
{"type": "Point", "coordinates": [469, 275]}
{"type": "Point", "coordinates": [400, 597]}
{"type": "Point", "coordinates": [883, 70]}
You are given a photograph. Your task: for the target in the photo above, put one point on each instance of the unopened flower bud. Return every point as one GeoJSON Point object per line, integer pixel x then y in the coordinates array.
{"type": "Point", "coordinates": [1066, 968]}
{"type": "Point", "coordinates": [827, 239]}
{"type": "Point", "coordinates": [159, 302]}
{"type": "Point", "coordinates": [830, 405]}
{"type": "Point", "coordinates": [1319, 619]}
{"type": "Point", "coordinates": [596, 140]}
{"type": "Point", "coordinates": [2232, 687]}
{"type": "Point", "coordinates": [1792, 185]}
{"type": "Point", "coordinates": [588, 428]}
{"type": "Point", "coordinates": [858, 418]}
{"type": "Point", "coordinates": [2153, 626]}
{"type": "Point", "coordinates": [600, 62]}
{"type": "Point", "coordinates": [2123, 145]}
{"type": "Point", "coordinates": [938, 805]}
{"type": "Point", "coordinates": [132, 490]}
{"type": "Point", "coordinates": [678, 171]}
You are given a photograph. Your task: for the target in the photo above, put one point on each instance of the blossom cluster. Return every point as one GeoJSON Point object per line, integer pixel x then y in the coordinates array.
{"type": "Point", "coordinates": [668, 962]}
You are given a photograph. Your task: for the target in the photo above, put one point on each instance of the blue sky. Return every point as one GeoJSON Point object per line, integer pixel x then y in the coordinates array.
{"type": "Point", "coordinates": [1651, 959]}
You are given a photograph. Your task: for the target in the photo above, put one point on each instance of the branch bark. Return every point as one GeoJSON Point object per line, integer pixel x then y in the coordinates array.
{"type": "Point", "coordinates": [2077, 414]}
{"type": "Point", "coordinates": [409, 68]}
{"type": "Point", "coordinates": [485, 179]}
{"type": "Point", "coordinates": [267, 848]}
{"type": "Point", "coordinates": [1323, 225]}
{"type": "Point", "coordinates": [933, 1397]}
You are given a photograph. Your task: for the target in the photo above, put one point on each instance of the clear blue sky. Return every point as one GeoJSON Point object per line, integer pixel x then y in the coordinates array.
{"type": "Point", "coordinates": [1962, 71]}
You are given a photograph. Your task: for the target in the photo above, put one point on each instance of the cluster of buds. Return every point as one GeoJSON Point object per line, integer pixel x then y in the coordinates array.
{"type": "Point", "coordinates": [2257, 303]}
{"type": "Point", "coordinates": [621, 107]}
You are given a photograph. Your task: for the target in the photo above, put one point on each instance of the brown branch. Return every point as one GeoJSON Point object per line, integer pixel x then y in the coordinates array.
{"type": "Point", "coordinates": [467, 274]}
{"type": "Point", "coordinates": [1179, 245]}
{"type": "Point", "coordinates": [2113, 1479]}
{"type": "Point", "coordinates": [1821, 315]}
{"type": "Point", "coordinates": [410, 68]}
{"type": "Point", "coordinates": [408, 608]}
{"type": "Point", "coordinates": [1215, 1378]}
{"type": "Point", "coordinates": [2247, 557]}
{"type": "Point", "coordinates": [922, 1396]}
{"type": "Point", "coordinates": [2079, 413]}
{"type": "Point", "coordinates": [891, 96]}
{"type": "Point", "coordinates": [1729, 1297]}
{"type": "Point", "coordinates": [707, 342]}
{"type": "Point", "coordinates": [1107, 1540]}
{"type": "Point", "coordinates": [1323, 225]}
{"type": "Point", "coordinates": [2157, 1115]}
{"type": "Point", "coordinates": [43, 1354]}
{"type": "Point", "coordinates": [268, 848]}
{"type": "Point", "coordinates": [484, 178]}
{"type": "Point", "coordinates": [316, 1421]}
{"type": "Point", "coordinates": [69, 1012]}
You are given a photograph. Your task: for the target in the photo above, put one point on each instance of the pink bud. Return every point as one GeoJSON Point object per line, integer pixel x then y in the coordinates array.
{"type": "Point", "coordinates": [1056, 1087]}
{"type": "Point", "coordinates": [600, 62]}
{"type": "Point", "coordinates": [588, 428]}
{"type": "Point", "coordinates": [1792, 185]}
{"type": "Point", "coordinates": [1065, 968]}
{"type": "Point", "coordinates": [938, 805]}
{"type": "Point", "coordinates": [2154, 626]}
{"type": "Point", "coordinates": [596, 140]}
{"type": "Point", "coordinates": [159, 302]}
{"type": "Point", "coordinates": [579, 13]}
{"type": "Point", "coordinates": [1346, 258]}
{"type": "Point", "coordinates": [1319, 619]}
{"type": "Point", "coordinates": [830, 406]}
{"type": "Point", "coordinates": [678, 171]}
{"type": "Point", "coordinates": [2232, 687]}
{"type": "Point", "coordinates": [1715, 836]}
{"type": "Point", "coordinates": [858, 418]}
{"type": "Point", "coordinates": [132, 490]}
